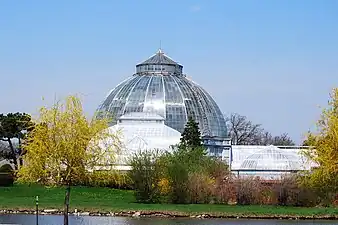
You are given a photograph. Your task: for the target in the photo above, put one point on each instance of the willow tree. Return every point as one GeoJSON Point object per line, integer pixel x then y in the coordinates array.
{"type": "Point", "coordinates": [64, 146]}
{"type": "Point", "coordinates": [324, 150]}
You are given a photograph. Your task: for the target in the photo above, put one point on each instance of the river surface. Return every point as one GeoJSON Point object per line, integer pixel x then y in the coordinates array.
{"type": "Point", "coordinates": [91, 220]}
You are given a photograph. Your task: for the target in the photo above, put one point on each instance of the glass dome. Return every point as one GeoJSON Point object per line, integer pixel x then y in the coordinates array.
{"type": "Point", "coordinates": [272, 158]}
{"type": "Point", "coordinates": [159, 86]}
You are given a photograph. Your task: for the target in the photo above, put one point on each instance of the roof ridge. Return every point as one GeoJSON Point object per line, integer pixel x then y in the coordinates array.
{"type": "Point", "coordinates": [159, 58]}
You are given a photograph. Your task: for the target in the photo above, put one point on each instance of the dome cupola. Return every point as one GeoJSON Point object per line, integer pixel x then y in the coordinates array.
{"type": "Point", "coordinates": [159, 64]}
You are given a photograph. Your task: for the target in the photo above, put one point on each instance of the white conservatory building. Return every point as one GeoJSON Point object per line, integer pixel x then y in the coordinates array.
{"type": "Point", "coordinates": [268, 162]}
{"type": "Point", "coordinates": [152, 106]}
{"type": "Point", "coordinates": [142, 131]}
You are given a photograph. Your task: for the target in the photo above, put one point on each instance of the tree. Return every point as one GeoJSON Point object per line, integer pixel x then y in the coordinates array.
{"type": "Point", "coordinates": [265, 138]}
{"type": "Point", "coordinates": [191, 135]}
{"type": "Point", "coordinates": [244, 132]}
{"type": "Point", "coordinates": [310, 139]}
{"type": "Point", "coordinates": [4, 151]}
{"type": "Point", "coordinates": [15, 126]}
{"type": "Point", "coordinates": [282, 140]}
{"type": "Point", "coordinates": [64, 146]}
{"type": "Point", "coordinates": [188, 158]}
{"type": "Point", "coordinates": [325, 149]}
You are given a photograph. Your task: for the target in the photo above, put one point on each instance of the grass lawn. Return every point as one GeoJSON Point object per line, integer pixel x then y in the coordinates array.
{"type": "Point", "coordinates": [105, 199]}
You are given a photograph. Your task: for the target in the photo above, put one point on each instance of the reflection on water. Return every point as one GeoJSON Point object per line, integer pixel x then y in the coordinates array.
{"type": "Point", "coordinates": [90, 220]}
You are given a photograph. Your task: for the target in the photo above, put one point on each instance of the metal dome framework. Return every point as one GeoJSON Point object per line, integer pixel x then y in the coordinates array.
{"type": "Point", "coordinates": [272, 158]}
{"type": "Point", "coordinates": [268, 162]}
{"type": "Point", "coordinates": [159, 86]}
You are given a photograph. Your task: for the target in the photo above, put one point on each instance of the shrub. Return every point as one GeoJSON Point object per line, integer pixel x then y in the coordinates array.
{"type": "Point", "coordinates": [223, 188]}
{"type": "Point", "coordinates": [164, 186]}
{"type": "Point", "coordinates": [111, 179]}
{"type": "Point", "coordinates": [290, 192]}
{"type": "Point", "coordinates": [267, 196]}
{"type": "Point", "coordinates": [6, 175]}
{"type": "Point", "coordinates": [146, 176]}
{"type": "Point", "coordinates": [224, 191]}
{"type": "Point", "coordinates": [335, 201]}
{"type": "Point", "coordinates": [249, 191]}
{"type": "Point", "coordinates": [181, 164]}
{"type": "Point", "coordinates": [177, 173]}
{"type": "Point", "coordinates": [200, 188]}
{"type": "Point", "coordinates": [6, 179]}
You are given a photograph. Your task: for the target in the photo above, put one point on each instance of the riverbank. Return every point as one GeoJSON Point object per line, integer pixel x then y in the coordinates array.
{"type": "Point", "coordinates": [112, 202]}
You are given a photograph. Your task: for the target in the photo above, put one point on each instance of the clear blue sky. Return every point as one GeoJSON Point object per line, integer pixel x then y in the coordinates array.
{"type": "Point", "coordinates": [273, 61]}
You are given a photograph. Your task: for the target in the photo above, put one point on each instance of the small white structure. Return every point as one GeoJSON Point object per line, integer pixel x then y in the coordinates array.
{"type": "Point", "coordinates": [143, 131]}
{"type": "Point", "coordinates": [268, 162]}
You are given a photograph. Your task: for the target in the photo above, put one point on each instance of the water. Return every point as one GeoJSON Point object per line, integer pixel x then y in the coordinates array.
{"type": "Point", "coordinates": [90, 220]}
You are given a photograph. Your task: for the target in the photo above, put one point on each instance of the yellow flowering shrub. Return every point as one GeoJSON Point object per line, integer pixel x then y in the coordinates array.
{"type": "Point", "coordinates": [164, 186]}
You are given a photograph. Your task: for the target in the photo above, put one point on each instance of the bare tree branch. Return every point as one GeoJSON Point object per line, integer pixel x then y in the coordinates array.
{"type": "Point", "coordinates": [241, 130]}
{"type": "Point", "coordinates": [244, 132]}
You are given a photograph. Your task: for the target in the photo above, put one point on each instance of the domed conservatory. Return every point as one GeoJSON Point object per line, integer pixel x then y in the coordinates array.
{"type": "Point", "coordinates": [160, 95]}
{"type": "Point", "coordinates": [152, 107]}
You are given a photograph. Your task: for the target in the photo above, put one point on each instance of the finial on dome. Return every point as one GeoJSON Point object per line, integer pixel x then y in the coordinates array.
{"type": "Point", "coordinates": [160, 49]}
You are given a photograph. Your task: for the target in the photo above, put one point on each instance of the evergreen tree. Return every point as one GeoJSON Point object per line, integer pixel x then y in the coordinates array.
{"type": "Point", "coordinates": [15, 126]}
{"type": "Point", "coordinates": [191, 136]}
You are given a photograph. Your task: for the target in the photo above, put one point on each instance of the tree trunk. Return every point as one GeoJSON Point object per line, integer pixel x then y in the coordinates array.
{"type": "Point", "coordinates": [13, 154]}
{"type": "Point", "coordinates": [66, 206]}
{"type": "Point", "coordinates": [20, 155]}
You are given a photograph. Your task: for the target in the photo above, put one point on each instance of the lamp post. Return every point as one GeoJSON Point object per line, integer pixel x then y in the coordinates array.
{"type": "Point", "coordinates": [37, 209]}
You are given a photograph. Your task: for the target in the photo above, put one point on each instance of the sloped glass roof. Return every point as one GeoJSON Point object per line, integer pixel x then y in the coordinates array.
{"type": "Point", "coordinates": [159, 58]}
{"type": "Point", "coordinates": [136, 137]}
{"type": "Point", "coordinates": [272, 158]}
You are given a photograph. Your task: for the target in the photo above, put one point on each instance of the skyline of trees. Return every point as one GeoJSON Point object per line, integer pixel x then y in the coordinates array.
{"type": "Point", "coordinates": [242, 131]}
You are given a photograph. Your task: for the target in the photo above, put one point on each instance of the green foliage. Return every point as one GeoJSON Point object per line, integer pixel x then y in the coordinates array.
{"type": "Point", "coordinates": [324, 178]}
{"type": "Point", "coordinates": [178, 172]}
{"type": "Point", "coordinates": [191, 136]}
{"type": "Point", "coordinates": [145, 174]}
{"type": "Point", "coordinates": [183, 162]}
{"type": "Point", "coordinates": [111, 179]}
{"type": "Point", "coordinates": [14, 125]}
{"type": "Point", "coordinates": [172, 176]}
{"type": "Point", "coordinates": [64, 145]}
